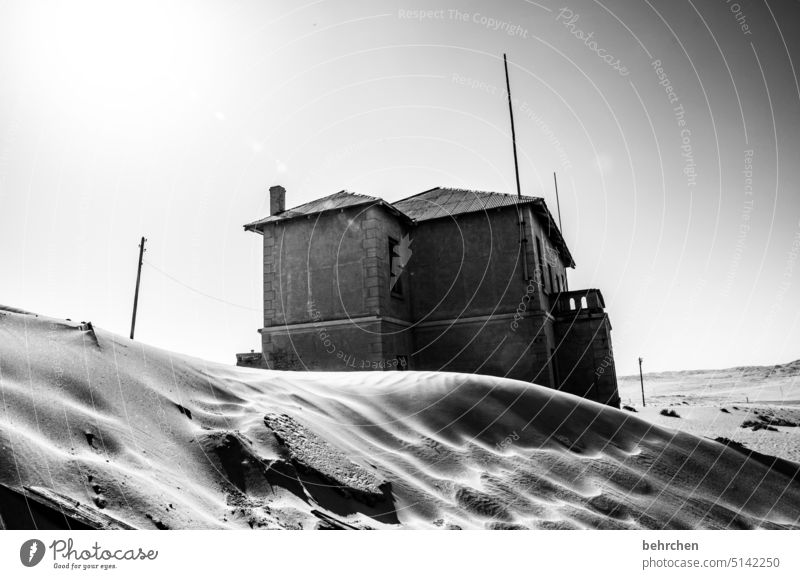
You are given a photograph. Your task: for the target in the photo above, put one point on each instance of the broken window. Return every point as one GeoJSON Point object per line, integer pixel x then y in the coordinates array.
{"type": "Point", "coordinates": [540, 259]}
{"type": "Point", "coordinates": [399, 256]}
{"type": "Point", "coordinates": [395, 267]}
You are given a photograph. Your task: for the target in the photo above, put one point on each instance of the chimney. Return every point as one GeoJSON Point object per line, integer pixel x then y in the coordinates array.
{"type": "Point", "coordinates": [277, 200]}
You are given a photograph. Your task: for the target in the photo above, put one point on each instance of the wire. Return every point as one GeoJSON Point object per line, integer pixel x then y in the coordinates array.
{"type": "Point", "coordinates": [197, 291]}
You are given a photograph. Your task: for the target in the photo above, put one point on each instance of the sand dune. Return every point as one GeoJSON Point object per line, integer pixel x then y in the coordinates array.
{"type": "Point", "coordinates": [100, 431]}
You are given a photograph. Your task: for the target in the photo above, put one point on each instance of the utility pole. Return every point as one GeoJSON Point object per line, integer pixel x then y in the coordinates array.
{"type": "Point", "coordinates": [138, 279]}
{"type": "Point", "coordinates": [641, 379]}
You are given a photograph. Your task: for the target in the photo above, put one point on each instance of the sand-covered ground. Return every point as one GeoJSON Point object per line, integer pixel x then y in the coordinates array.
{"type": "Point", "coordinates": [757, 406]}
{"type": "Point", "coordinates": [100, 431]}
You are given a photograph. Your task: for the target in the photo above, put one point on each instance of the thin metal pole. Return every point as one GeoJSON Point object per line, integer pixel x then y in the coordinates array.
{"type": "Point", "coordinates": [513, 132]}
{"type": "Point", "coordinates": [641, 380]}
{"type": "Point", "coordinates": [138, 279]}
{"type": "Point", "coordinates": [523, 239]}
{"type": "Point", "coordinates": [561, 229]}
{"type": "Point", "coordinates": [558, 205]}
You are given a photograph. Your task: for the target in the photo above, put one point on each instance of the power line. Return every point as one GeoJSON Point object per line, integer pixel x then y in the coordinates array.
{"type": "Point", "coordinates": [199, 292]}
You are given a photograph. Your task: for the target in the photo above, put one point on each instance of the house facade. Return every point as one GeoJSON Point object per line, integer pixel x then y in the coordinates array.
{"type": "Point", "coordinates": [446, 280]}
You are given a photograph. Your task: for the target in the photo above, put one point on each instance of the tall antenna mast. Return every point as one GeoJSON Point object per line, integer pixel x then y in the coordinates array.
{"type": "Point", "coordinates": [558, 204]}
{"type": "Point", "coordinates": [523, 239]}
{"type": "Point", "coordinates": [560, 229]}
{"type": "Point", "coordinates": [513, 132]}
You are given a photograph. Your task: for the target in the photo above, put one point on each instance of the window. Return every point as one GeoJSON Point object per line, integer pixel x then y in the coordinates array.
{"type": "Point", "coordinates": [540, 258]}
{"type": "Point", "coordinates": [395, 268]}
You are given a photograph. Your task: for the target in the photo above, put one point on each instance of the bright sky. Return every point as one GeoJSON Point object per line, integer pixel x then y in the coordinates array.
{"type": "Point", "coordinates": [171, 120]}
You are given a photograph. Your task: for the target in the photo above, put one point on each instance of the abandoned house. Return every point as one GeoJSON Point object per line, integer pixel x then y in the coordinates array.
{"type": "Point", "coordinates": [448, 279]}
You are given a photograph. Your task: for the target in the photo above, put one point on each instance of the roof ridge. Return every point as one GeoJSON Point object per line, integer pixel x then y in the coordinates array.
{"type": "Point", "coordinates": [337, 200]}
{"type": "Point", "coordinates": [329, 196]}
{"type": "Point", "coordinates": [463, 190]}
{"type": "Point", "coordinates": [455, 201]}
{"type": "Point", "coordinates": [416, 195]}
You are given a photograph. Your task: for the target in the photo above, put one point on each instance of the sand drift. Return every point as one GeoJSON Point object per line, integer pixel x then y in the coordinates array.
{"type": "Point", "coordinates": [98, 431]}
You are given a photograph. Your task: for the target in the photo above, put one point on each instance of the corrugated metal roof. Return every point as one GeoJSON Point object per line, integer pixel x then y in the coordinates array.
{"type": "Point", "coordinates": [338, 200]}
{"type": "Point", "coordinates": [440, 202]}
{"type": "Point", "coordinates": [444, 202]}
{"type": "Point", "coordinates": [433, 204]}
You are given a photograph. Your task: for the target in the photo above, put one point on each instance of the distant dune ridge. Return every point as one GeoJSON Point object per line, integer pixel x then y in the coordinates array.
{"type": "Point", "coordinates": [758, 406]}
{"type": "Point", "coordinates": [728, 376]}
{"type": "Point", "coordinates": [98, 431]}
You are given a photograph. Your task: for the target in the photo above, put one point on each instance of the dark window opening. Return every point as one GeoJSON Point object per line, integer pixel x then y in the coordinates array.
{"type": "Point", "coordinates": [540, 259]}
{"type": "Point", "coordinates": [395, 268]}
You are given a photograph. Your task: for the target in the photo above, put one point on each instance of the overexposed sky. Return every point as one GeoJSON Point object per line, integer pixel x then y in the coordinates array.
{"type": "Point", "coordinates": [172, 119]}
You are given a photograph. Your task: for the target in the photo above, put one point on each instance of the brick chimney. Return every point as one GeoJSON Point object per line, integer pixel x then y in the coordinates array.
{"type": "Point", "coordinates": [277, 200]}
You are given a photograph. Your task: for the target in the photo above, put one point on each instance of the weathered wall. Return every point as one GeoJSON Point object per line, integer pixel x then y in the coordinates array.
{"type": "Point", "coordinates": [585, 355]}
{"type": "Point", "coordinates": [497, 346]}
{"type": "Point", "coordinates": [321, 346]}
{"type": "Point", "coordinates": [549, 269]}
{"type": "Point", "coordinates": [397, 340]}
{"type": "Point", "coordinates": [341, 346]}
{"type": "Point", "coordinates": [251, 360]}
{"type": "Point", "coordinates": [327, 277]}
{"type": "Point", "coordinates": [471, 266]}
{"type": "Point", "coordinates": [467, 265]}
{"type": "Point", "coordinates": [335, 263]}
{"type": "Point", "coordinates": [319, 264]}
